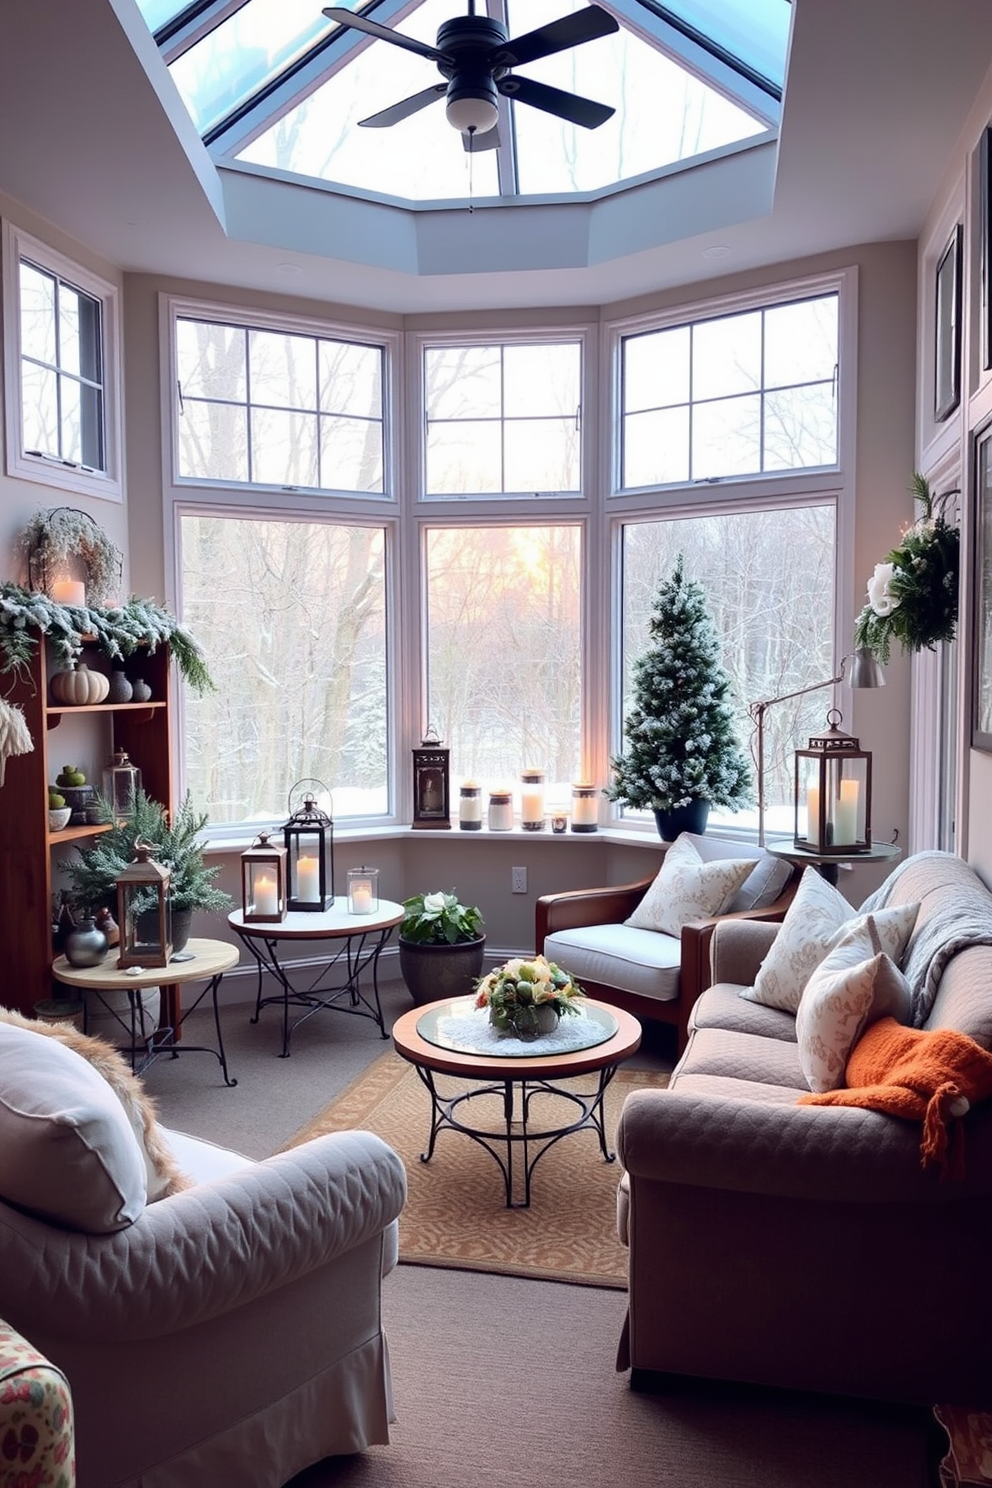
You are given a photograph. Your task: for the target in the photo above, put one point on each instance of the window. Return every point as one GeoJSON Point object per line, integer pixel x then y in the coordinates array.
{"type": "Point", "coordinates": [273, 407]}
{"type": "Point", "coordinates": [62, 418]}
{"type": "Point", "coordinates": [504, 651]}
{"type": "Point", "coordinates": [736, 395]}
{"type": "Point", "coordinates": [292, 616]}
{"type": "Point", "coordinates": [502, 420]}
{"type": "Point", "coordinates": [768, 576]}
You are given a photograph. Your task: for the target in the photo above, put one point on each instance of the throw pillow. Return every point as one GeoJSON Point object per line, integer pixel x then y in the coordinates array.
{"type": "Point", "coordinates": [687, 888]}
{"type": "Point", "coordinates": [845, 994]}
{"type": "Point", "coordinates": [162, 1174]}
{"type": "Point", "coordinates": [67, 1150]}
{"type": "Point", "coordinates": [811, 922]}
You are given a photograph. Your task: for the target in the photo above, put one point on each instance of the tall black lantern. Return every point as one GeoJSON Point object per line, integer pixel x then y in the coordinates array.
{"type": "Point", "coordinates": [833, 792]}
{"type": "Point", "coordinates": [430, 783]}
{"type": "Point", "coordinates": [309, 839]}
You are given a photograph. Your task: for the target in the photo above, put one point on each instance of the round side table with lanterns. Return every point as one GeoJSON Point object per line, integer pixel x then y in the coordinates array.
{"type": "Point", "coordinates": [827, 864]}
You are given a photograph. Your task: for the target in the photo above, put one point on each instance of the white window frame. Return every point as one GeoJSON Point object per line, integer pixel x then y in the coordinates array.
{"type": "Point", "coordinates": [46, 470]}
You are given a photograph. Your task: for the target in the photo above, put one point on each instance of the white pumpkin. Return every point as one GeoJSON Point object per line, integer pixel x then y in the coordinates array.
{"type": "Point", "coordinates": [80, 686]}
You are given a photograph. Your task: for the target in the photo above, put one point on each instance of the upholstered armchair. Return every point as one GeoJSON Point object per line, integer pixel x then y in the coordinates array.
{"type": "Point", "coordinates": [227, 1332]}
{"type": "Point", "coordinates": [36, 1430]}
{"type": "Point", "coordinates": [645, 946]}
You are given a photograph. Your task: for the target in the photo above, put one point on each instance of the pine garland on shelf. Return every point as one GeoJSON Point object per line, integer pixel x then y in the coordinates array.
{"type": "Point", "coordinates": [913, 595]}
{"type": "Point", "coordinates": [25, 615]}
{"type": "Point", "coordinates": [681, 737]}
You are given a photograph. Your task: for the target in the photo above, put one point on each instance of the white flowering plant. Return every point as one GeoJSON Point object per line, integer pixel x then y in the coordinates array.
{"type": "Point", "coordinates": [913, 596]}
{"type": "Point", "coordinates": [514, 991]}
{"type": "Point", "coordinates": [439, 919]}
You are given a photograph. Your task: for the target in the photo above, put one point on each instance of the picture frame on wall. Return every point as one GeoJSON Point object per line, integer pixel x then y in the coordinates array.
{"type": "Point", "coordinates": [981, 606]}
{"type": "Point", "coordinates": [947, 336]}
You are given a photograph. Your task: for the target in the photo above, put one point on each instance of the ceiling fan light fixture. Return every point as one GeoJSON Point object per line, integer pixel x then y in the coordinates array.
{"type": "Point", "coordinates": [467, 112]}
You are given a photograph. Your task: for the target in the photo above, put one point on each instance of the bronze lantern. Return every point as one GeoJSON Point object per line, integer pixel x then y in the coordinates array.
{"type": "Point", "coordinates": [430, 783]}
{"type": "Point", "coordinates": [263, 882]}
{"type": "Point", "coordinates": [144, 912]}
{"type": "Point", "coordinates": [833, 793]}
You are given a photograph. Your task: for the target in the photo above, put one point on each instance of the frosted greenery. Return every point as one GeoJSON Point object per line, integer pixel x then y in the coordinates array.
{"type": "Point", "coordinates": [913, 594]}
{"type": "Point", "coordinates": [681, 736]}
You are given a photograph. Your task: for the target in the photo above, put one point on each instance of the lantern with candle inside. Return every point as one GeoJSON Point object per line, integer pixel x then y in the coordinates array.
{"type": "Point", "coordinates": [309, 839]}
{"type": "Point", "coordinates": [532, 800]}
{"type": "Point", "coordinates": [430, 782]}
{"type": "Point", "coordinates": [363, 891]}
{"type": "Point", "coordinates": [263, 882]}
{"type": "Point", "coordinates": [585, 808]}
{"type": "Point", "coordinates": [144, 914]}
{"type": "Point", "coordinates": [833, 792]}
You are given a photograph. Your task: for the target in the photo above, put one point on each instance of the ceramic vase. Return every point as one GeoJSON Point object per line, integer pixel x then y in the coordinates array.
{"type": "Point", "coordinates": [86, 945]}
{"type": "Point", "coordinates": [120, 687]}
{"type": "Point", "coordinates": [691, 818]}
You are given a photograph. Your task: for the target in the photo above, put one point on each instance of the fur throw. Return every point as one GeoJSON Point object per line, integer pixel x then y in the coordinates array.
{"type": "Point", "coordinates": [164, 1176]}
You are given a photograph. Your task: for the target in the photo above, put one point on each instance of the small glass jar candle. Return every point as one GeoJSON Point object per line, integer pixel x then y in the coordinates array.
{"type": "Point", "coordinates": [532, 800]}
{"type": "Point", "coordinates": [559, 822]}
{"type": "Point", "coordinates": [363, 891]}
{"type": "Point", "coordinates": [470, 807]}
{"type": "Point", "coordinates": [500, 811]}
{"type": "Point", "coordinates": [585, 808]}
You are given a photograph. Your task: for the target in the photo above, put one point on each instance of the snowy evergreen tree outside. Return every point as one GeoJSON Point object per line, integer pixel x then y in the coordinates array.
{"type": "Point", "coordinates": [681, 741]}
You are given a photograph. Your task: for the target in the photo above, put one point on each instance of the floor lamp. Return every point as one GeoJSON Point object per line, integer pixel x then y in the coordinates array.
{"type": "Point", "coordinates": [865, 672]}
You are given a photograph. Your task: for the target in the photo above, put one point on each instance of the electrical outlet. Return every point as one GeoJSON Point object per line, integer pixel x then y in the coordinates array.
{"type": "Point", "coordinates": [518, 880]}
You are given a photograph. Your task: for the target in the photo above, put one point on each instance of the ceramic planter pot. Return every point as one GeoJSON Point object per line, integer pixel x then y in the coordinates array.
{"type": "Point", "coordinates": [436, 972]}
{"type": "Point", "coordinates": [691, 818]}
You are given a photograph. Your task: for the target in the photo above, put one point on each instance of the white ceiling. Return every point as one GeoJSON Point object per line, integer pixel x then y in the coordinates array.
{"type": "Point", "coordinates": [95, 141]}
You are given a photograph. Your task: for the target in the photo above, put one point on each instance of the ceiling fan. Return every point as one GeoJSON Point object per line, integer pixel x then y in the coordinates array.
{"type": "Point", "coordinates": [475, 55]}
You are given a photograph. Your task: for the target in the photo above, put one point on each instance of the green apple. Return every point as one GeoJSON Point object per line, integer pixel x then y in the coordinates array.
{"type": "Point", "coordinates": [55, 800]}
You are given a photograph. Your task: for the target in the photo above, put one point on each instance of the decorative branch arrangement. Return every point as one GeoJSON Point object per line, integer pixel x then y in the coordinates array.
{"type": "Point", "coordinates": [913, 595]}
{"type": "Point", "coordinates": [25, 615]}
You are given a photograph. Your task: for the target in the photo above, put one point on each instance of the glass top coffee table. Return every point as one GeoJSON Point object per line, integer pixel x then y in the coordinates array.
{"type": "Point", "coordinates": [452, 1038]}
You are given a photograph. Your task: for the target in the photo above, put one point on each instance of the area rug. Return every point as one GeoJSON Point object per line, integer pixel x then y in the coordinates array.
{"type": "Point", "coordinates": [456, 1216]}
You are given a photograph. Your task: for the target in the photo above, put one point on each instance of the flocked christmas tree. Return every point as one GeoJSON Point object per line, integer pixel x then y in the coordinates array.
{"type": "Point", "coordinates": [682, 745]}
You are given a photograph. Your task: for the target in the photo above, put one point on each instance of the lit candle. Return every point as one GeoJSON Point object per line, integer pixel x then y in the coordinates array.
{"type": "Point", "coordinates": [265, 900]}
{"type": "Point", "coordinates": [846, 813]}
{"type": "Point", "coordinates": [308, 880]}
{"type": "Point", "coordinates": [361, 899]}
{"type": "Point", "coordinates": [69, 592]}
{"type": "Point", "coordinates": [585, 808]}
{"type": "Point", "coordinates": [813, 815]}
{"type": "Point", "coordinates": [532, 800]}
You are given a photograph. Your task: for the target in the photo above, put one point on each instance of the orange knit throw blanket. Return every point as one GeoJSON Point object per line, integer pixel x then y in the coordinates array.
{"type": "Point", "coordinates": [921, 1075]}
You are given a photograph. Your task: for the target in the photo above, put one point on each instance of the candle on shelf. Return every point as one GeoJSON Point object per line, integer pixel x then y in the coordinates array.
{"type": "Point", "coordinates": [470, 807]}
{"type": "Point", "coordinates": [813, 815]}
{"type": "Point", "coordinates": [265, 901]}
{"type": "Point", "coordinates": [308, 880]}
{"type": "Point", "coordinates": [532, 801]}
{"type": "Point", "coordinates": [846, 813]}
{"type": "Point", "coordinates": [500, 811]}
{"type": "Point", "coordinates": [69, 592]}
{"type": "Point", "coordinates": [585, 808]}
{"type": "Point", "coordinates": [361, 901]}
{"type": "Point", "coordinates": [363, 890]}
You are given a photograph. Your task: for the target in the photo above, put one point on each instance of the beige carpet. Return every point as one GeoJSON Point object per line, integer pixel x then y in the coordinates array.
{"type": "Point", "coordinates": [456, 1214]}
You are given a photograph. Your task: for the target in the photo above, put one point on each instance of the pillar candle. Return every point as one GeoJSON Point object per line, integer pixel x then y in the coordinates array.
{"type": "Point", "coordinates": [813, 815]}
{"type": "Point", "coordinates": [69, 592]}
{"type": "Point", "coordinates": [361, 899]}
{"type": "Point", "coordinates": [846, 812]}
{"type": "Point", "coordinates": [264, 896]}
{"type": "Point", "coordinates": [308, 880]}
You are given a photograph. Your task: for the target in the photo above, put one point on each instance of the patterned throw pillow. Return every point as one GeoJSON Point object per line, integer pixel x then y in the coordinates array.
{"type": "Point", "coordinates": [687, 888]}
{"type": "Point", "coordinates": [856, 984]}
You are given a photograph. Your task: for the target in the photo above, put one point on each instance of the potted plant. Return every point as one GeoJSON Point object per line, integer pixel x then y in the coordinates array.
{"type": "Point", "coordinates": [441, 946]}
{"type": "Point", "coordinates": [178, 845]}
{"type": "Point", "coordinates": [682, 752]}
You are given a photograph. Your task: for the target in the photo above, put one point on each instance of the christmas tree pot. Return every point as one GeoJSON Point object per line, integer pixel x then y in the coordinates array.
{"type": "Point", "coordinates": [691, 818]}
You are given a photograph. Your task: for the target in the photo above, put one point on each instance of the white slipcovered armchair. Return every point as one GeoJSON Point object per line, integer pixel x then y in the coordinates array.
{"type": "Point", "coordinates": [227, 1334]}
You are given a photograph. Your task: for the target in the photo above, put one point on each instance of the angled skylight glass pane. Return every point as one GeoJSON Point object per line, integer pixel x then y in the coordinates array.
{"type": "Point", "coordinates": [420, 159]}
{"type": "Point", "coordinates": [158, 13]}
{"type": "Point", "coordinates": [663, 113]}
{"type": "Point", "coordinates": [754, 31]}
{"type": "Point", "coordinates": [245, 52]}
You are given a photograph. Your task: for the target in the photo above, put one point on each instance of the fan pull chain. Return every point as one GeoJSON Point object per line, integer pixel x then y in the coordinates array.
{"type": "Point", "coordinates": [471, 172]}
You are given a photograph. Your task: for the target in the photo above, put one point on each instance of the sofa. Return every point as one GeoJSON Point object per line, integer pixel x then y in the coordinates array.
{"type": "Point", "coordinates": [217, 1319]}
{"type": "Point", "coordinates": [644, 946]}
{"type": "Point", "coordinates": [784, 1238]}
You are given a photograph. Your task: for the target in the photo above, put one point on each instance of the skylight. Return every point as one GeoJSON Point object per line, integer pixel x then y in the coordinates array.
{"type": "Point", "coordinates": [278, 86]}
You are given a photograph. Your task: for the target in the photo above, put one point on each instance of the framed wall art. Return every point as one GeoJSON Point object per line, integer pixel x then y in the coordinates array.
{"type": "Point", "coordinates": [981, 715]}
{"type": "Point", "coordinates": [947, 337]}
{"type": "Point", "coordinates": [985, 225]}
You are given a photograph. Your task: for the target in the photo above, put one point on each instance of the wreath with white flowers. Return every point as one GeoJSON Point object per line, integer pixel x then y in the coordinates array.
{"type": "Point", "coordinates": [913, 595]}
{"type": "Point", "coordinates": [54, 539]}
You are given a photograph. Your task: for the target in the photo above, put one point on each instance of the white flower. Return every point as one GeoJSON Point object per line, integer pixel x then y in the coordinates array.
{"type": "Point", "coordinates": [434, 903]}
{"type": "Point", "coordinates": [880, 596]}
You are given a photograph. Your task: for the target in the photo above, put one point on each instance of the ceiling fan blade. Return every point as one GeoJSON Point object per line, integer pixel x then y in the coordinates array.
{"type": "Point", "coordinates": [568, 106]}
{"type": "Point", "coordinates": [382, 33]}
{"type": "Point", "coordinates": [404, 108]}
{"type": "Point", "coordinates": [570, 31]}
{"type": "Point", "coordinates": [473, 143]}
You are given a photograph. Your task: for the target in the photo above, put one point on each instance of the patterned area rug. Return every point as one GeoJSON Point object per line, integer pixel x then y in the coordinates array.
{"type": "Point", "coordinates": [456, 1215]}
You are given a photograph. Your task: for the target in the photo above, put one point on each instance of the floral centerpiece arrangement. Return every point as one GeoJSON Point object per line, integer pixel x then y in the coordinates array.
{"type": "Point", "coordinates": [528, 997]}
{"type": "Point", "coordinates": [913, 595]}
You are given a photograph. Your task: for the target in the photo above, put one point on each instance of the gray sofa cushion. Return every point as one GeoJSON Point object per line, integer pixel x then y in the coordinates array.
{"type": "Point", "coordinates": [642, 961]}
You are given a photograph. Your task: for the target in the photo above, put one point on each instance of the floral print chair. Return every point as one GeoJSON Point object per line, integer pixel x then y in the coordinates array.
{"type": "Point", "coordinates": [36, 1428]}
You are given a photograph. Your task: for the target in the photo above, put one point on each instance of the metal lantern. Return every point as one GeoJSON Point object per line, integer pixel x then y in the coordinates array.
{"type": "Point", "coordinates": [263, 882]}
{"type": "Point", "coordinates": [363, 891]}
{"type": "Point", "coordinates": [309, 839]}
{"type": "Point", "coordinates": [833, 792]}
{"type": "Point", "coordinates": [121, 784]}
{"type": "Point", "coordinates": [144, 913]}
{"type": "Point", "coordinates": [430, 782]}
